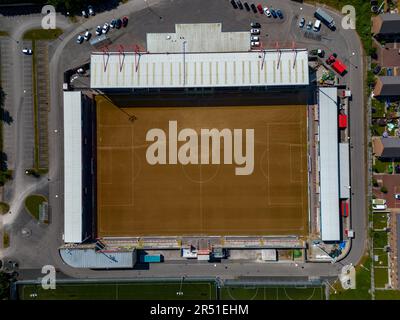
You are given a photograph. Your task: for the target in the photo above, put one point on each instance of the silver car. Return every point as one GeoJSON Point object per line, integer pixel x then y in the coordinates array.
{"type": "Point", "coordinates": [255, 31]}
{"type": "Point", "coordinates": [254, 38]}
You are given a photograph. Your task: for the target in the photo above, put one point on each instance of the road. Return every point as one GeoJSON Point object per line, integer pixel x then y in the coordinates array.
{"type": "Point", "coordinates": [41, 247]}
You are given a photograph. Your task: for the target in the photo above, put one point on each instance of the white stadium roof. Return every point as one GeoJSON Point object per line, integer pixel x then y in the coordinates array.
{"type": "Point", "coordinates": [114, 70]}
{"type": "Point", "coordinates": [72, 167]}
{"type": "Point", "coordinates": [329, 164]}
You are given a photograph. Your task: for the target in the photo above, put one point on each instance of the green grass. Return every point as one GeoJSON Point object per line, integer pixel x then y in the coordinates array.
{"type": "Point", "coordinates": [380, 239]}
{"type": "Point", "coordinates": [3, 33]}
{"type": "Point", "coordinates": [32, 204]}
{"type": "Point", "coordinates": [379, 106]}
{"type": "Point", "coordinates": [363, 284]}
{"type": "Point", "coordinates": [271, 293]}
{"type": "Point", "coordinates": [380, 166]}
{"type": "Point", "coordinates": [383, 258]}
{"type": "Point", "coordinates": [6, 240]}
{"type": "Point", "coordinates": [380, 220]}
{"type": "Point", "coordinates": [4, 207]}
{"type": "Point", "coordinates": [363, 15]}
{"type": "Point", "coordinates": [387, 294]}
{"type": "Point", "coordinates": [122, 291]}
{"type": "Point", "coordinates": [381, 277]}
{"type": "Point", "coordinates": [42, 34]}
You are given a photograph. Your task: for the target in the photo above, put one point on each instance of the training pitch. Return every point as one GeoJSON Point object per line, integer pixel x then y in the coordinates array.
{"type": "Point", "coordinates": [135, 198]}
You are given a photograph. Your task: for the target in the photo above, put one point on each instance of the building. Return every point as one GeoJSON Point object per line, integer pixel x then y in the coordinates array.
{"type": "Point", "coordinates": [386, 148]}
{"type": "Point", "coordinates": [387, 87]}
{"type": "Point", "coordinates": [386, 26]}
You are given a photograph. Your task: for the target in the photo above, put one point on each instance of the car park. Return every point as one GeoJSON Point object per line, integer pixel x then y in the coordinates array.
{"type": "Point", "coordinates": [87, 35]}
{"type": "Point", "coordinates": [91, 11]}
{"type": "Point", "coordinates": [309, 25]}
{"type": "Point", "coordinates": [125, 21]}
{"type": "Point", "coordinates": [279, 13]}
{"type": "Point", "coordinates": [273, 13]}
{"type": "Point", "coordinates": [302, 22]}
{"type": "Point", "coordinates": [255, 31]}
{"type": "Point", "coordinates": [233, 3]}
{"type": "Point", "coordinates": [240, 5]}
{"type": "Point", "coordinates": [98, 30]}
{"type": "Point", "coordinates": [255, 25]}
{"type": "Point", "coordinates": [254, 38]}
{"type": "Point", "coordinates": [84, 14]}
{"type": "Point", "coordinates": [27, 51]}
{"type": "Point", "coordinates": [118, 24]}
{"type": "Point", "coordinates": [255, 44]}
{"type": "Point", "coordinates": [267, 12]}
{"type": "Point", "coordinates": [79, 39]}
{"type": "Point", "coordinates": [253, 7]}
{"type": "Point", "coordinates": [246, 5]}
{"type": "Point", "coordinates": [106, 27]}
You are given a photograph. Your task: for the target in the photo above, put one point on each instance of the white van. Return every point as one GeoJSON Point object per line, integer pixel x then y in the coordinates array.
{"type": "Point", "coordinates": [317, 25]}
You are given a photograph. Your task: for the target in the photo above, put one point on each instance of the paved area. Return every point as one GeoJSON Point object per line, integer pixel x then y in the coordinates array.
{"type": "Point", "coordinates": [391, 182]}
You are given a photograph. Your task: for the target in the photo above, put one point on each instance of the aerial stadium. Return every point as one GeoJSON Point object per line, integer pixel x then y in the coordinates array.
{"type": "Point", "coordinates": [199, 143]}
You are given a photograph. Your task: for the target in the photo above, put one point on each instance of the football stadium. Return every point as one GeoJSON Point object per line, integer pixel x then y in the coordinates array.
{"type": "Point", "coordinates": [199, 144]}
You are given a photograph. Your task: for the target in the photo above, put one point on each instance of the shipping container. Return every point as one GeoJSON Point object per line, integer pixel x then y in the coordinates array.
{"type": "Point", "coordinates": [325, 18]}
{"type": "Point", "coordinates": [151, 258]}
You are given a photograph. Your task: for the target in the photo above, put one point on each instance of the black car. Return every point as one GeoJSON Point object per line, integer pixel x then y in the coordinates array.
{"type": "Point", "coordinates": [255, 25]}
{"type": "Point", "coordinates": [377, 69]}
{"type": "Point", "coordinates": [118, 24]}
{"type": "Point", "coordinates": [253, 7]}
{"type": "Point", "coordinates": [239, 3]}
{"type": "Point", "coordinates": [273, 12]}
{"type": "Point", "coordinates": [279, 13]}
{"type": "Point", "coordinates": [233, 2]}
{"type": "Point", "coordinates": [246, 5]}
{"type": "Point", "coordinates": [124, 21]}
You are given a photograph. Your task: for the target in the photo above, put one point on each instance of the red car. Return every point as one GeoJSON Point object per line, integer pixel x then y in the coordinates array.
{"type": "Point", "coordinates": [124, 21]}
{"type": "Point", "coordinates": [260, 8]}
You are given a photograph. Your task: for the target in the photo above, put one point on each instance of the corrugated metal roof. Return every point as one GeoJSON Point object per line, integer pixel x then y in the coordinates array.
{"type": "Point", "coordinates": [199, 37]}
{"type": "Point", "coordinates": [329, 164]}
{"type": "Point", "coordinates": [344, 170]}
{"type": "Point", "coordinates": [178, 70]}
{"type": "Point", "coordinates": [72, 167]}
{"type": "Point", "coordinates": [90, 258]}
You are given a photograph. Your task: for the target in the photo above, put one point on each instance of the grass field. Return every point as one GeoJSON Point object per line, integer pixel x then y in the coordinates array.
{"type": "Point", "coordinates": [272, 293]}
{"type": "Point", "coordinates": [122, 291]}
{"type": "Point", "coordinates": [383, 258]}
{"type": "Point", "coordinates": [139, 199]}
{"type": "Point", "coordinates": [42, 34]}
{"type": "Point", "coordinates": [380, 221]}
{"type": "Point", "coordinates": [387, 294]}
{"type": "Point", "coordinates": [381, 277]}
{"type": "Point", "coordinates": [32, 204]}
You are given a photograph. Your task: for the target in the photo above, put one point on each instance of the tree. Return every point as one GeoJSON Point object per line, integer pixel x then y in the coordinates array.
{"type": "Point", "coordinates": [4, 286]}
{"type": "Point", "coordinates": [384, 189]}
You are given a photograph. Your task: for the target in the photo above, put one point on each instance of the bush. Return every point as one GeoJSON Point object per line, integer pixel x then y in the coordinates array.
{"type": "Point", "coordinates": [375, 182]}
{"type": "Point", "coordinates": [384, 189]}
{"type": "Point", "coordinates": [4, 207]}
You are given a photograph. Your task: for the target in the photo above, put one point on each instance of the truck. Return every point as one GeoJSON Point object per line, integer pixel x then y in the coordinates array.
{"type": "Point", "coordinates": [151, 258]}
{"type": "Point", "coordinates": [325, 18]}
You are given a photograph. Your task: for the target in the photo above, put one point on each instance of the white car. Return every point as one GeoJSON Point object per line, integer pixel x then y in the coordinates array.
{"type": "Point", "coordinates": [27, 51]}
{"type": "Point", "coordinates": [267, 12]}
{"type": "Point", "coordinates": [84, 14]}
{"type": "Point", "coordinates": [302, 22]}
{"type": "Point", "coordinates": [254, 38]}
{"type": "Point", "coordinates": [255, 31]}
{"type": "Point", "coordinates": [91, 11]}
{"type": "Point", "coordinates": [255, 43]}
{"type": "Point", "coordinates": [98, 30]}
{"type": "Point", "coordinates": [87, 35]}
{"type": "Point", "coordinates": [79, 39]}
{"type": "Point", "coordinates": [106, 27]}
{"type": "Point", "coordinates": [397, 196]}
{"type": "Point", "coordinates": [309, 25]}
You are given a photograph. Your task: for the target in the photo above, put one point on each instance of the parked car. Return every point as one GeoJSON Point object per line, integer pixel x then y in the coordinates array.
{"type": "Point", "coordinates": [260, 8]}
{"type": "Point", "coordinates": [113, 23]}
{"type": "Point", "coordinates": [98, 30]}
{"type": "Point", "coordinates": [125, 21]}
{"type": "Point", "coordinates": [87, 35]}
{"type": "Point", "coordinates": [91, 11]}
{"type": "Point", "coordinates": [255, 25]}
{"type": "Point", "coordinates": [273, 13]}
{"type": "Point", "coordinates": [302, 22]}
{"type": "Point", "coordinates": [246, 5]}
{"type": "Point", "coordinates": [397, 196]}
{"type": "Point", "coordinates": [240, 5]}
{"type": "Point", "coordinates": [255, 31]}
{"type": "Point", "coordinates": [254, 38]}
{"type": "Point", "coordinates": [279, 13]}
{"type": "Point", "coordinates": [309, 25]}
{"type": "Point", "coordinates": [233, 3]}
{"type": "Point", "coordinates": [331, 58]}
{"type": "Point", "coordinates": [27, 51]}
{"type": "Point", "coordinates": [118, 24]}
{"type": "Point", "coordinates": [84, 14]}
{"type": "Point", "coordinates": [255, 44]}
{"type": "Point", "coordinates": [317, 25]}
{"type": "Point", "coordinates": [377, 70]}
{"type": "Point", "coordinates": [267, 12]}
{"type": "Point", "coordinates": [253, 7]}
{"type": "Point", "coordinates": [106, 27]}
{"type": "Point", "coordinates": [79, 39]}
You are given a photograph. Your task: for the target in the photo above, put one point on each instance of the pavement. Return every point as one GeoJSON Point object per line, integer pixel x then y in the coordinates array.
{"type": "Point", "coordinates": [161, 16]}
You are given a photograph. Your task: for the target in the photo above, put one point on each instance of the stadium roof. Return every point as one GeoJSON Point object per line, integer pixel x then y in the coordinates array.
{"type": "Point", "coordinates": [329, 164]}
{"type": "Point", "coordinates": [179, 70]}
{"type": "Point", "coordinates": [90, 258]}
{"type": "Point", "coordinates": [344, 159]}
{"type": "Point", "coordinates": [72, 167]}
